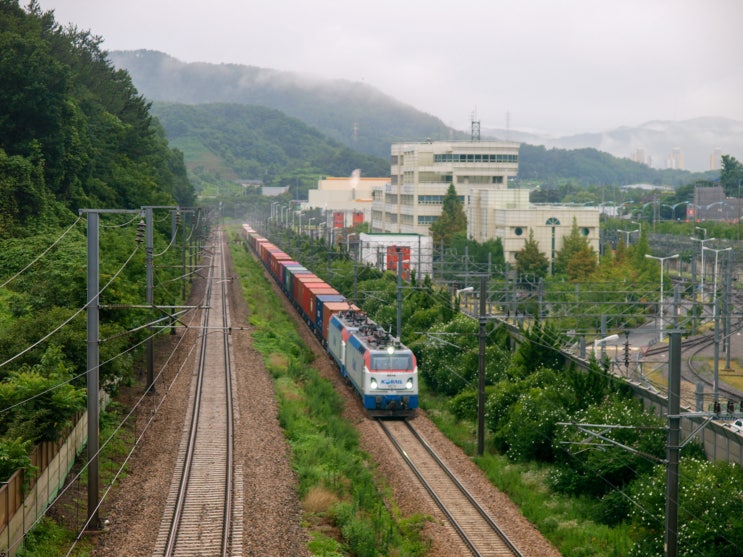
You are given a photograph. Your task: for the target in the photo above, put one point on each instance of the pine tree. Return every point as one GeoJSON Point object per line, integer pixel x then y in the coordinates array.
{"type": "Point", "coordinates": [452, 221]}
{"type": "Point", "coordinates": [530, 260]}
{"type": "Point", "coordinates": [575, 246]}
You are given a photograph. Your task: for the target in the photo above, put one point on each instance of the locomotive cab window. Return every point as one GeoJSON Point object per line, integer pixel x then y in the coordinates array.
{"type": "Point", "coordinates": [387, 362]}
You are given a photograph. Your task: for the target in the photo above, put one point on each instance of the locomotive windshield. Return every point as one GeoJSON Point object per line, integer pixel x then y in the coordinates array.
{"type": "Point", "coordinates": [399, 361]}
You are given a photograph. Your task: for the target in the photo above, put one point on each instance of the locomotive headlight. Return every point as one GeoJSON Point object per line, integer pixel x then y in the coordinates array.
{"type": "Point", "coordinates": [390, 350]}
{"type": "Point", "coordinates": [373, 384]}
{"type": "Point", "coordinates": [409, 383]}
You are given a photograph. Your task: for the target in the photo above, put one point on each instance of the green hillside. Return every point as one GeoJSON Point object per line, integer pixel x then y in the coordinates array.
{"type": "Point", "coordinates": [73, 130]}
{"type": "Point", "coordinates": [353, 114]}
{"type": "Point", "coordinates": [230, 142]}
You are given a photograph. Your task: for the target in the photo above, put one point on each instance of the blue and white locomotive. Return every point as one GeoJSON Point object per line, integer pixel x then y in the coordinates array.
{"type": "Point", "coordinates": [380, 368]}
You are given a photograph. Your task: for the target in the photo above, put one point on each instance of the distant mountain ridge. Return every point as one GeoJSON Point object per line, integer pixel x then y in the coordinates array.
{"type": "Point", "coordinates": [368, 121]}
{"type": "Point", "coordinates": [697, 139]}
{"type": "Point", "coordinates": [354, 114]}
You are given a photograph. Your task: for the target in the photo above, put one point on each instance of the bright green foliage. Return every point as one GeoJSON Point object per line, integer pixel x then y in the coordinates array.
{"type": "Point", "coordinates": [595, 471]}
{"type": "Point", "coordinates": [540, 348]}
{"type": "Point", "coordinates": [73, 130]}
{"type": "Point", "coordinates": [39, 401]}
{"type": "Point", "coordinates": [251, 141]}
{"type": "Point", "coordinates": [452, 221]}
{"type": "Point", "coordinates": [450, 357]}
{"type": "Point", "coordinates": [710, 510]}
{"type": "Point", "coordinates": [14, 455]}
{"type": "Point", "coordinates": [576, 258]}
{"type": "Point", "coordinates": [731, 176]}
{"type": "Point", "coordinates": [441, 357]}
{"type": "Point", "coordinates": [530, 260]}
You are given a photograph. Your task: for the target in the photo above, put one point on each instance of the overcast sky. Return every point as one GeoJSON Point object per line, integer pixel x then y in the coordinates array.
{"type": "Point", "coordinates": [557, 66]}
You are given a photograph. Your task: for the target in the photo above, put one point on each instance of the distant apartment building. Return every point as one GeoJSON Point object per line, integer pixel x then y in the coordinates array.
{"type": "Point", "coordinates": [715, 159]}
{"type": "Point", "coordinates": [640, 156]}
{"type": "Point", "coordinates": [481, 172]}
{"type": "Point", "coordinates": [675, 160]}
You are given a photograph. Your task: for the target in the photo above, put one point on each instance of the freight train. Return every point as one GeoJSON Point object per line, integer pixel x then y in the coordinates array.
{"type": "Point", "coordinates": [381, 370]}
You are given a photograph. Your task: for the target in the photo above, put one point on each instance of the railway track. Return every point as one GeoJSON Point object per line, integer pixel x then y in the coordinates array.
{"type": "Point", "coordinates": [198, 518]}
{"type": "Point", "coordinates": [475, 527]}
{"type": "Point", "coordinates": [691, 348]}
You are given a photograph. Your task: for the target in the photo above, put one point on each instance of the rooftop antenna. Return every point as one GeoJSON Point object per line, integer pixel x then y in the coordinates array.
{"type": "Point", "coordinates": [475, 126]}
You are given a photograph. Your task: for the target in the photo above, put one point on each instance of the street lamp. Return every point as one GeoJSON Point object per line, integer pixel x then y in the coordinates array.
{"type": "Point", "coordinates": [602, 342]}
{"type": "Point", "coordinates": [716, 386]}
{"type": "Point", "coordinates": [701, 242]}
{"type": "Point", "coordinates": [660, 309]}
{"type": "Point", "coordinates": [714, 276]}
{"type": "Point", "coordinates": [627, 232]}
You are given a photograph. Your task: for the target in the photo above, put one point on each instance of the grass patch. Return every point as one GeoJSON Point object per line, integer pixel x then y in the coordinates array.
{"type": "Point", "coordinates": [51, 540]}
{"type": "Point", "coordinates": [344, 509]}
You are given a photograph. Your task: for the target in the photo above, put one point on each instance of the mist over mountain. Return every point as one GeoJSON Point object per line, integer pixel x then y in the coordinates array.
{"type": "Point", "coordinates": [697, 140]}
{"type": "Point", "coordinates": [354, 114]}
{"type": "Point", "coordinates": [368, 121]}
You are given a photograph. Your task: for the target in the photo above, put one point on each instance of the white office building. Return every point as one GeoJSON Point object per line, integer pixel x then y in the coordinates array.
{"type": "Point", "coordinates": [480, 171]}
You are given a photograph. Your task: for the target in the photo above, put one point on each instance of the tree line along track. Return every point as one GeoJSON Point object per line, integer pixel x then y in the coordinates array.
{"type": "Point", "coordinates": [198, 517]}
{"type": "Point", "coordinates": [477, 530]}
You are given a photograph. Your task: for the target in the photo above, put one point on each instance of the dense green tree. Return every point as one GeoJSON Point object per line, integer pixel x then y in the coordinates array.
{"type": "Point", "coordinates": [530, 260]}
{"type": "Point", "coordinates": [77, 121]}
{"type": "Point", "coordinates": [710, 511]}
{"type": "Point", "coordinates": [609, 467]}
{"type": "Point", "coordinates": [576, 258]}
{"type": "Point", "coordinates": [731, 176]}
{"type": "Point", "coordinates": [452, 221]}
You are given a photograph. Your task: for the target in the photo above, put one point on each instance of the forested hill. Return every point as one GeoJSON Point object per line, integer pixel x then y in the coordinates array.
{"type": "Point", "coordinates": [74, 132]}
{"type": "Point", "coordinates": [254, 142]}
{"type": "Point", "coordinates": [353, 114]}
{"type": "Point", "coordinates": [336, 109]}
{"type": "Point", "coordinates": [592, 167]}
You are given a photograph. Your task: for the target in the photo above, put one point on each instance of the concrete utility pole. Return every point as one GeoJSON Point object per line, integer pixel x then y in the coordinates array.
{"type": "Point", "coordinates": [93, 360]}
{"type": "Point", "coordinates": [673, 445]}
{"type": "Point", "coordinates": [93, 370]}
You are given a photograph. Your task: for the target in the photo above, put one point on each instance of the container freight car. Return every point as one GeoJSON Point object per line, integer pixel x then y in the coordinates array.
{"type": "Point", "coordinates": [378, 366]}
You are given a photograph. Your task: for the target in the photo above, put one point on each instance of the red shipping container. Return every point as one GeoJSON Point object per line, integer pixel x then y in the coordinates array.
{"type": "Point", "coordinates": [330, 309]}
{"type": "Point", "coordinates": [392, 260]}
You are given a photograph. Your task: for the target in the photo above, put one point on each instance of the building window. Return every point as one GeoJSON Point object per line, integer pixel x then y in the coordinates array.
{"type": "Point", "coordinates": [518, 231]}
{"type": "Point", "coordinates": [482, 157]}
{"type": "Point", "coordinates": [427, 219]}
{"type": "Point", "coordinates": [584, 231]}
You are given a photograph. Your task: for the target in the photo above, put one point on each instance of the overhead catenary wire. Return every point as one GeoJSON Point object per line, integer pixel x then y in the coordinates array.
{"type": "Point", "coordinates": [73, 316]}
